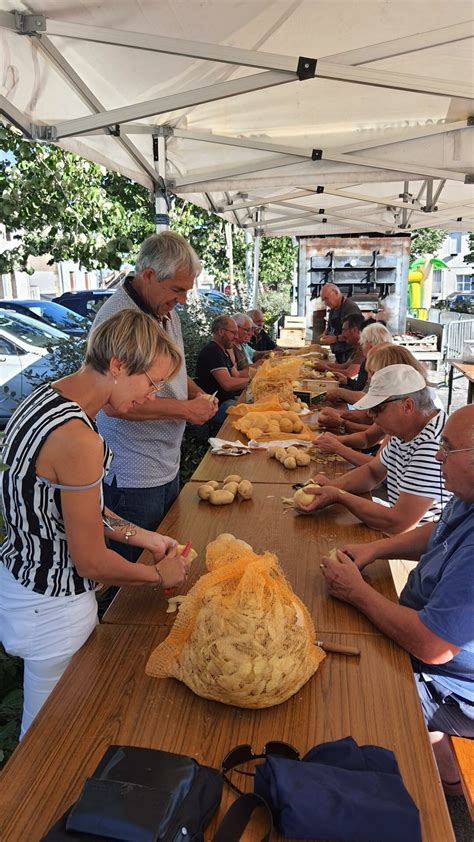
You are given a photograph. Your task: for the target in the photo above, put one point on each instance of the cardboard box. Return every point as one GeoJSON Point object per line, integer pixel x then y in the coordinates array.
{"type": "Point", "coordinates": [319, 385]}
{"type": "Point", "coordinates": [310, 398]}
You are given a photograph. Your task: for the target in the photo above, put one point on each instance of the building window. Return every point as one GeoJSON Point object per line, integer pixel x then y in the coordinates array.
{"type": "Point", "coordinates": [437, 281]}
{"type": "Point", "coordinates": [455, 240]}
{"type": "Point", "coordinates": [464, 283]}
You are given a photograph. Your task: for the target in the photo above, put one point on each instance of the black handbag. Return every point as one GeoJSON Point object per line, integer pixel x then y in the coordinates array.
{"type": "Point", "coordinates": [147, 795]}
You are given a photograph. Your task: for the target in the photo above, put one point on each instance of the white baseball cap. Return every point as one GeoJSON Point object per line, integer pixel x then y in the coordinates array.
{"type": "Point", "coordinates": [389, 382]}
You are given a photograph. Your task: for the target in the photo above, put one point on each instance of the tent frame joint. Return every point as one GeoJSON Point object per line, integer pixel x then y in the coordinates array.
{"type": "Point", "coordinates": [44, 134]}
{"type": "Point", "coordinates": [306, 68]}
{"type": "Point", "coordinates": [29, 24]}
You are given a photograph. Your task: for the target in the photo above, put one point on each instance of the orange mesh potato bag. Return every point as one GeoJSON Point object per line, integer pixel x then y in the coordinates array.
{"type": "Point", "coordinates": [242, 637]}
{"type": "Point", "coordinates": [276, 378]}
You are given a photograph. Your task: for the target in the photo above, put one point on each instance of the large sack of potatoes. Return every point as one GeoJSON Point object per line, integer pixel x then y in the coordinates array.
{"type": "Point", "coordinates": [242, 636]}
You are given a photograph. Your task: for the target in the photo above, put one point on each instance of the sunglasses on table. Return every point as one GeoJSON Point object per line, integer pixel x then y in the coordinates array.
{"type": "Point", "coordinates": [245, 753]}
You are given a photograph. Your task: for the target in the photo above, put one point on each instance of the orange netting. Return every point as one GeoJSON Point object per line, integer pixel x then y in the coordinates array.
{"type": "Point", "coordinates": [242, 636]}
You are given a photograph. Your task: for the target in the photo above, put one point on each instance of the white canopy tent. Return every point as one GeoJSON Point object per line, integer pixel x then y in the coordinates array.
{"type": "Point", "coordinates": [302, 117]}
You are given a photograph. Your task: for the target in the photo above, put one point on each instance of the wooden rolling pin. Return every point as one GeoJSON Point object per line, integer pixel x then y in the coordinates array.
{"type": "Point", "coordinates": [338, 647]}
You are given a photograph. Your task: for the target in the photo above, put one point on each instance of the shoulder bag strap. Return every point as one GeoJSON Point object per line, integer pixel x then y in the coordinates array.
{"type": "Point", "coordinates": [238, 816]}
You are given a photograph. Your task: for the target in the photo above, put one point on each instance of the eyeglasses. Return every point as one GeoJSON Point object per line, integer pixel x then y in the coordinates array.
{"type": "Point", "coordinates": [376, 410]}
{"type": "Point", "coordinates": [245, 753]}
{"type": "Point", "coordinates": [445, 451]}
{"type": "Point", "coordinates": [154, 387]}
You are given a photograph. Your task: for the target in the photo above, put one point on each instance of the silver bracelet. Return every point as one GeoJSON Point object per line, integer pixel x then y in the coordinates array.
{"type": "Point", "coordinates": [160, 579]}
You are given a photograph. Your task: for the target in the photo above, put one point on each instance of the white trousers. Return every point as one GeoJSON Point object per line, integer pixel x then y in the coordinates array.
{"type": "Point", "coordinates": [45, 631]}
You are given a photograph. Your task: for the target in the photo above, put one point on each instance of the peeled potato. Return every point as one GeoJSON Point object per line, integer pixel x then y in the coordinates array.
{"type": "Point", "coordinates": [272, 451]}
{"type": "Point", "coordinates": [213, 483]}
{"type": "Point", "coordinates": [231, 486]}
{"type": "Point", "coordinates": [303, 459]}
{"type": "Point", "coordinates": [192, 554]}
{"type": "Point", "coordinates": [205, 491]}
{"type": "Point", "coordinates": [280, 454]}
{"type": "Point", "coordinates": [301, 498]}
{"type": "Point", "coordinates": [221, 498]}
{"type": "Point", "coordinates": [232, 478]}
{"type": "Point", "coordinates": [292, 451]}
{"type": "Point", "coordinates": [245, 489]}
{"type": "Point", "coordinates": [290, 463]}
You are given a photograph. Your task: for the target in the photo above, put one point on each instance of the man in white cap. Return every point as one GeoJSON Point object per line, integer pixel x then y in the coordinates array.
{"type": "Point", "coordinates": [401, 403]}
{"type": "Point", "coordinates": [435, 619]}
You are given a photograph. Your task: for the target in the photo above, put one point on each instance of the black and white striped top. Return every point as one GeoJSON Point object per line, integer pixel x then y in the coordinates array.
{"type": "Point", "coordinates": [413, 468]}
{"type": "Point", "coordinates": [35, 550]}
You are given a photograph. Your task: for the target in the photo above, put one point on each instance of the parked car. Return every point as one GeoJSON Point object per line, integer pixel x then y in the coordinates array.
{"type": "Point", "coordinates": [214, 297]}
{"type": "Point", "coordinates": [24, 344]}
{"type": "Point", "coordinates": [460, 301]}
{"type": "Point", "coordinates": [48, 312]}
{"type": "Point", "coordinates": [86, 302]}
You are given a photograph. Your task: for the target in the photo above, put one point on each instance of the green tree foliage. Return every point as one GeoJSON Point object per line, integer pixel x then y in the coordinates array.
{"type": "Point", "coordinates": [67, 207]}
{"type": "Point", "coordinates": [58, 204]}
{"type": "Point", "coordinates": [469, 257]}
{"type": "Point", "coordinates": [426, 241]}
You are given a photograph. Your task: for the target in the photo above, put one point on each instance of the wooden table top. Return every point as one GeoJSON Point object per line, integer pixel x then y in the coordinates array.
{"type": "Point", "coordinates": [105, 698]}
{"type": "Point", "coordinates": [465, 368]}
{"type": "Point", "coordinates": [257, 466]}
{"type": "Point", "coordinates": [298, 540]}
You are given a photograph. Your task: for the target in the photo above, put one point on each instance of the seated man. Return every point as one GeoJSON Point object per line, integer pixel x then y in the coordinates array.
{"type": "Point", "coordinates": [351, 330]}
{"type": "Point", "coordinates": [261, 340]}
{"type": "Point", "coordinates": [243, 352]}
{"type": "Point", "coordinates": [435, 619]}
{"type": "Point", "coordinates": [215, 371]}
{"type": "Point", "coordinates": [372, 335]}
{"type": "Point", "coordinates": [402, 404]}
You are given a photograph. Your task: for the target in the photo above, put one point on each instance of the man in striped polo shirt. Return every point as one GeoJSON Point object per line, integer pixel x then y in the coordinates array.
{"type": "Point", "coordinates": [402, 404]}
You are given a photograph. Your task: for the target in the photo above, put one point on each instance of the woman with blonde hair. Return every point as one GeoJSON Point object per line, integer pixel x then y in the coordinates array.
{"type": "Point", "coordinates": [55, 553]}
{"type": "Point", "coordinates": [350, 446]}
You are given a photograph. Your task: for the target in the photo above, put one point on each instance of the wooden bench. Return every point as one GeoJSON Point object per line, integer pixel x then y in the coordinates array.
{"type": "Point", "coordinates": [463, 750]}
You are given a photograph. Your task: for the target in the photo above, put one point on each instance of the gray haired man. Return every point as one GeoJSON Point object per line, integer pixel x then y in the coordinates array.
{"type": "Point", "coordinates": [143, 480]}
{"type": "Point", "coordinates": [402, 405]}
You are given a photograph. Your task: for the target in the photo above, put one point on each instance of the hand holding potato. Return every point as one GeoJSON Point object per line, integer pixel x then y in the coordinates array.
{"type": "Point", "coordinates": [343, 577]}
{"type": "Point", "coordinates": [322, 497]}
{"type": "Point", "coordinates": [328, 443]}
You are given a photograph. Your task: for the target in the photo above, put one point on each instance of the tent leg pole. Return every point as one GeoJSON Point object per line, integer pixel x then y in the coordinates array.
{"type": "Point", "coordinates": [256, 263]}
{"type": "Point", "coordinates": [249, 266]}
{"type": "Point", "coordinates": [162, 220]}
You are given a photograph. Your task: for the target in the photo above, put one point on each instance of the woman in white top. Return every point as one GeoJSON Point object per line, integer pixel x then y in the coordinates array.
{"type": "Point", "coordinates": [55, 552]}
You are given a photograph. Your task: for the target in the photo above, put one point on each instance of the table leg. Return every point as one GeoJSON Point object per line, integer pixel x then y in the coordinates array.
{"type": "Point", "coordinates": [470, 391]}
{"type": "Point", "coordinates": [450, 387]}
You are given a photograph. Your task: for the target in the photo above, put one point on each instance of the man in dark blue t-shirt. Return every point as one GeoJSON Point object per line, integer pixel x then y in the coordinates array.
{"type": "Point", "coordinates": [215, 370]}
{"type": "Point", "coordinates": [435, 619]}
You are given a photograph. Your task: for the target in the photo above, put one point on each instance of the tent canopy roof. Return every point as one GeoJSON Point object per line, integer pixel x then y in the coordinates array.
{"type": "Point", "coordinates": [377, 138]}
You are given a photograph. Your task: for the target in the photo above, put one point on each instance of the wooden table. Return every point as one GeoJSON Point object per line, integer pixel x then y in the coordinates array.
{"type": "Point", "coordinates": [299, 541]}
{"type": "Point", "coordinates": [465, 370]}
{"type": "Point", "coordinates": [257, 465]}
{"type": "Point", "coordinates": [105, 697]}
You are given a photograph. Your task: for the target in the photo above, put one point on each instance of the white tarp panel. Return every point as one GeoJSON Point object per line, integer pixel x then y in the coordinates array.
{"type": "Point", "coordinates": [389, 104]}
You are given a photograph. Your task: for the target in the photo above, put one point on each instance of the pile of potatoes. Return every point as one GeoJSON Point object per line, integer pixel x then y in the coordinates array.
{"type": "Point", "coordinates": [232, 486]}
{"type": "Point", "coordinates": [291, 457]}
{"type": "Point", "coordinates": [256, 424]}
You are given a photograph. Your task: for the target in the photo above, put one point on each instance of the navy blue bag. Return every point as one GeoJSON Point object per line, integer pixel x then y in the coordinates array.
{"type": "Point", "coordinates": [339, 791]}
